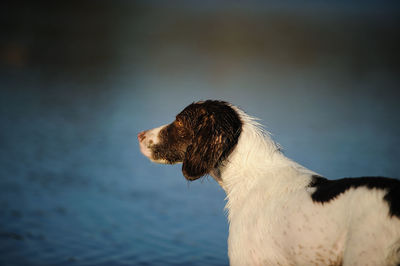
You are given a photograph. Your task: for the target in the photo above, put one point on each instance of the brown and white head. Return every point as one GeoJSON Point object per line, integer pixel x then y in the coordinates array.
{"type": "Point", "coordinates": [201, 137]}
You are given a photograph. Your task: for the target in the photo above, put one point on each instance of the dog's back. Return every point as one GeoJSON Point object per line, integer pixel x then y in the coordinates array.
{"type": "Point", "coordinates": [288, 227]}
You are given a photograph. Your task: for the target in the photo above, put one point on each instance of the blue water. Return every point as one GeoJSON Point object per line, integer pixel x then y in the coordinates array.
{"type": "Point", "coordinates": [76, 89]}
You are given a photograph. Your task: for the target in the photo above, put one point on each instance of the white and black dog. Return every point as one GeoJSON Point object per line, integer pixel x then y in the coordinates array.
{"type": "Point", "coordinates": [279, 212]}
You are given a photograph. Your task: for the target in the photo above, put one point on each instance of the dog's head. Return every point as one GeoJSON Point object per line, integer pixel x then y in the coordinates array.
{"type": "Point", "coordinates": [201, 137]}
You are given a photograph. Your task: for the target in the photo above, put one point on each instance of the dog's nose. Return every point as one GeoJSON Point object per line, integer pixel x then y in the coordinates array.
{"type": "Point", "coordinates": [141, 136]}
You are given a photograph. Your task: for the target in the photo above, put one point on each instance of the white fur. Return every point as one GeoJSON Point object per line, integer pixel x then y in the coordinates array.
{"type": "Point", "coordinates": [273, 220]}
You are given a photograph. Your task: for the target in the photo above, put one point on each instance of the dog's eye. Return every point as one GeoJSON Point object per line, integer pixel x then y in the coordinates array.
{"type": "Point", "coordinates": [179, 123]}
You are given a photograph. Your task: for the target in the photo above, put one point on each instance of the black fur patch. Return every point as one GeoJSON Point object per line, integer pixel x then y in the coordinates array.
{"type": "Point", "coordinates": [327, 190]}
{"type": "Point", "coordinates": [174, 140]}
{"type": "Point", "coordinates": [201, 137]}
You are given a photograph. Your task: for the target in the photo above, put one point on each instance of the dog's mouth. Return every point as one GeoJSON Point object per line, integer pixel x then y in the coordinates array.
{"type": "Point", "coordinates": [145, 149]}
{"type": "Point", "coordinates": [145, 144]}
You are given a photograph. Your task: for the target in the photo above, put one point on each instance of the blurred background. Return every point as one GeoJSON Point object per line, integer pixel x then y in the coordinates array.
{"type": "Point", "coordinates": [79, 80]}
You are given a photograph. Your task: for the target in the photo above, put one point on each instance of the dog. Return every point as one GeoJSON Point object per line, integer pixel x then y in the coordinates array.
{"type": "Point", "coordinates": [279, 212]}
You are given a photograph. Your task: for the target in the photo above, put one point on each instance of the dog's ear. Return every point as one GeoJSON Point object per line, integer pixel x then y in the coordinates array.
{"type": "Point", "coordinates": [215, 128]}
{"type": "Point", "coordinates": [203, 154]}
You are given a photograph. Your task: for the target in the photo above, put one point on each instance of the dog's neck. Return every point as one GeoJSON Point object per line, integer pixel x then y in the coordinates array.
{"type": "Point", "coordinates": [257, 159]}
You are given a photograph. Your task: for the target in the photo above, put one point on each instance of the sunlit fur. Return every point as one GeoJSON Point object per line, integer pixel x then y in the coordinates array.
{"type": "Point", "coordinates": [273, 220]}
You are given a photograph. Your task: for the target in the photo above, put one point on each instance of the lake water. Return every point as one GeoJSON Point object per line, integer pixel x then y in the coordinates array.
{"type": "Point", "coordinates": [74, 188]}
